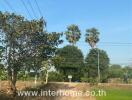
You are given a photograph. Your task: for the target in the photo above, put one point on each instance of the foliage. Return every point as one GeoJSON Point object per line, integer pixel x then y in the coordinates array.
{"type": "Point", "coordinates": [115, 93]}
{"type": "Point", "coordinates": [26, 44]}
{"type": "Point", "coordinates": [23, 75]}
{"type": "Point", "coordinates": [128, 70]}
{"type": "Point", "coordinates": [72, 61]}
{"type": "Point", "coordinates": [73, 33]}
{"type": "Point", "coordinates": [84, 79]}
{"type": "Point", "coordinates": [91, 81]}
{"type": "Point", "coordinates": [91, 66]}
{"type": "Point", "coordinates": [92, 36]}
{"type": "Point", "coordinates": [3, 73]}
{"type": "Point", "coordinates": [1, 53]}
{"type": "Point", "coordinates": [55, 77]}
{"type": "Point", "coordinates": [16, 32]}
{"type": "Point", "coordinates": [115, 71]}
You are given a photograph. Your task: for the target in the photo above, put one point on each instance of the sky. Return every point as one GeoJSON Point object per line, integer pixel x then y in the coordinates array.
{"type": "Point", "coordinates": [112, 18]}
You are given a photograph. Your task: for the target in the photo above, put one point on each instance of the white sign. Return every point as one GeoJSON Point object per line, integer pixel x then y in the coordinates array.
{"type": "Point", "coordinates": [70, 76]}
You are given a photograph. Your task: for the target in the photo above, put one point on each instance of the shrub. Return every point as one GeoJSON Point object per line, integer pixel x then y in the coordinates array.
{"type": "Point", "coordinates": [91, 81]}
{"type": "Point", "coordinates": [55, 77]}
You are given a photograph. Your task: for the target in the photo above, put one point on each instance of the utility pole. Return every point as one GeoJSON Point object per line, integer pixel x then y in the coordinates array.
{"type": "Point", "coordinates": [98, 67]}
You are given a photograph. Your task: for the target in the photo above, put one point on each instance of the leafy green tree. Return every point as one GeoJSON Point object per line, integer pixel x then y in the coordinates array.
{"type": "Point", "coordinates": [127, 73]}
{"type": "Point", "coordinates": [9, 26]}
{"type": "Point", "coordinates": [26, 44]}
{"type": "Point", "coordinates": [71, 62]}
{"type": "Point", "coordinates": [43, 47]}
{"type": "Point", "coordinates": [128, 70]}
{"type": "Point", "coordinates": [55, 76]}
{"type": "Point", "coordinates": [73, 34]}
{"type": "Point", "coordinates": [91, 62]}
{"type": "Point", "coordinates": [46, 66]}
{"type": "Point", "coordinates": [92, 37]}
{"type": "Point", "coordinates": [115, 71]}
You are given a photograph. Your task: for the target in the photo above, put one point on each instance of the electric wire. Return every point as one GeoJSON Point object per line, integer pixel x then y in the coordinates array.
{"type": "Point", "coordinates": [32, 9]}
{"type": "Point", "coordinates": [26, 8]}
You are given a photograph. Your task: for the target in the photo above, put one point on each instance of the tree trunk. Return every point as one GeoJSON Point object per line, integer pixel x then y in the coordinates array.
{"type": "Point", "coordinates": [47, 75]}
{"type": "Point", "coordinates": [12, 76]}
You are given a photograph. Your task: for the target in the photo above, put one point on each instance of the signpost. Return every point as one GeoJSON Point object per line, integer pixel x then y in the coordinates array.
{"type": "Point", "coordinates": [69, 77]}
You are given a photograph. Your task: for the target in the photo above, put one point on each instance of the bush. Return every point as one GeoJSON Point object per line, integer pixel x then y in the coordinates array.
{"type": "Point", "coordinates": [3, 75]}
{"type": "Point", "coordinates": [84, 79]}
{"type": "Point", "coordinates": [55, 77]}
{"type": "Point", "coordinates": [92, 81]}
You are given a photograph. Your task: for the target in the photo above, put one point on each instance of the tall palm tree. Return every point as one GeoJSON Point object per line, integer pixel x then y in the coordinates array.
{"type": "Point", "coordinates": [92, 37]}
{"type": "Point", "coordinates": [73, 34]}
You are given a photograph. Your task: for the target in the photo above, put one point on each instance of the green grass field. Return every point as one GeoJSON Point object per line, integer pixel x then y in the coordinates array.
{"type": "Point", "coordinates": [116, 94]}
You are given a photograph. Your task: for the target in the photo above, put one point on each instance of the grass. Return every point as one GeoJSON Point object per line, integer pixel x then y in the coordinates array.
{"type": "Point", "coordinates": [113, 93]}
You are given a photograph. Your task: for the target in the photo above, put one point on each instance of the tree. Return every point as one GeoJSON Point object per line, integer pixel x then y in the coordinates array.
{"type": "Point", "coordinates": [73, 34]}
{"type": "Point", "coordinates": [127, 73]}
{"type": "Point", "coordinates": [92, 37]}
{"type": "Point", "coordinates": [115, 71]}
{"type": "Point", "coordinates": [26, 44]}
{"type": "Point", "coordinates": [128, 70]}
{"type": "Point", "coordinates": [55, 76]}
{"type": "Point", "coordinates": [46, 65]}
{"type": "Point", "coordinates": [71, 61]}
{"type": "Point", "coordinates": [15, 31]}
{"type": "Point", "coordinates": [92, 64]}
{"type": "Point", "coordinates": [43, 46]}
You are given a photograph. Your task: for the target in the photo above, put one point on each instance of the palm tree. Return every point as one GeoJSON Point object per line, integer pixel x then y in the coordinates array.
{"type": "Point", "coordinates": [92, 37]}
{"type": "Point", "coordinates": [72, 34]}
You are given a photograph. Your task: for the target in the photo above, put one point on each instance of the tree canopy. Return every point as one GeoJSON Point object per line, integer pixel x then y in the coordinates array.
{"type": "Point", "coordinates": [26, 44]}
{"type": "Point", "coordinates": [73, 34]}
{"type": "Point", "coordinates": [92, 36]}
{"type": "Point", "coordinates": [91, 62]}
{"type": "Point", "coordinates": [72, 60]}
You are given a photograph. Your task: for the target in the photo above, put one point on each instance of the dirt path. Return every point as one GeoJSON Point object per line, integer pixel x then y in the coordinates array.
{"type": "Point", "coordinates": [77, 91]}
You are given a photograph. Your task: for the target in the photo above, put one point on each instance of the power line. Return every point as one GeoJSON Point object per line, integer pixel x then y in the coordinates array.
{"type": "Point", "coordinates": [9, 5]}
{"type": "Point", "coordinates": [108, 43]}
{"type": "Point", "coordinates": [26, 8]}
{"type": "Point", "coordinates": [86, 45]}
{"type": "Point", "coordinates": [3, 6]}
{"type": "Point", "coordinates": [32, 9]}
{"type": "Point", "coordinates": [114, 45]}
{"type": "Point", "coordinates": [111, 42]}
{"type": "Point", "coordinates": [38, 8]}
{"type": "Point", "coordinates": [41, 14]}
{"type": "Point", "coordinates": [117, 42]}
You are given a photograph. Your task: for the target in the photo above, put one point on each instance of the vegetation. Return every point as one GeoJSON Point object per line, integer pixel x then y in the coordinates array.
{"type": "Point", "coordinates": [72, 62]}
{"type": "Point", "coordinates": [29, 52]}
{"type": "Point", "coordinates": [115, 71]}
{"type": "Point", "coordinates": [92, 37]}
{"type": "Point", "coordinates": [91, 66]}
{"type": "Point", "coordinates": [55, 77]}
{"type": "Point", "coordinates": [26, 44]}
{"type": "Point", "coordinates": [73, 34]}
{"type": "Point", "coordinates": [113, 93]}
